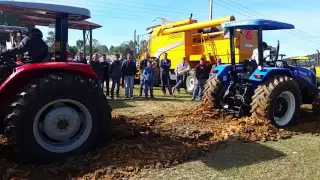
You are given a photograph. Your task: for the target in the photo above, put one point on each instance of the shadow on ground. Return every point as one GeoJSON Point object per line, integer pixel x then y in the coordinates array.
{"type": "Point", "coordinates": [238, 154]}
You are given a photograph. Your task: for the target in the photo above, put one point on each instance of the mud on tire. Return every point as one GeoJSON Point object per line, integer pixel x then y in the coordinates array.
{"type": "Point", "coordinates": [213, 92]}
{"type": "Point", "coordinates": [56, 116]}
{"type": "Point", "coordinates": [277, 100]}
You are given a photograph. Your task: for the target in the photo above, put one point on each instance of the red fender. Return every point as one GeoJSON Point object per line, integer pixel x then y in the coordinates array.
{"type": "Point", "coordinates": [22, 74]}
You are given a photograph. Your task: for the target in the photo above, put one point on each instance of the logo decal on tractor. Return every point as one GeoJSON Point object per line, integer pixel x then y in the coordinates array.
{"type": "Point", "coordinates": [248, 45]}
{"type": "Point", "coordinates": [248, 35]}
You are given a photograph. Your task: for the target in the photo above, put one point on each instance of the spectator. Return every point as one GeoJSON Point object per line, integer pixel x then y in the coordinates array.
{"type": "Point", "coordinates": [148, 78]}
{"type": "Point", "coordinates": [115, 75]}
{"type": "Point", "coordinates": [165, 65]}
{"type": "Point", "coordinates": [98, 69]}
{"type": "Point", "coordinates": [129, 70]}
{"type": "Point", "coordinates": [143, 64]}
{"type": "Point", "coordinates": [81, 58]}
{"type": "Point", "coordinates": [202, 74]}
{"type": "Point", "coordinates": [122, 59]}
{"type": "Point", "coordinates": [105, 78]}
{"type": "Point", "coordinates": [181, 70]}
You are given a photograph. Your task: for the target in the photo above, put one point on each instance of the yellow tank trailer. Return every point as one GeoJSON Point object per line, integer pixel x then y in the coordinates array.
{"type": "Point", "coordinates": [193, 40]}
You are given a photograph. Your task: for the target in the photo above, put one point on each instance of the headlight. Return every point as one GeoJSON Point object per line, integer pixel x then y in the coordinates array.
{"type": "Point", "coordinates": [260, 68]}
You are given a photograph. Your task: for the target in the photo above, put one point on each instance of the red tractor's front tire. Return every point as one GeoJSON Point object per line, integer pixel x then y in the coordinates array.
{"type": "Point", "coordinates": [56, 116]}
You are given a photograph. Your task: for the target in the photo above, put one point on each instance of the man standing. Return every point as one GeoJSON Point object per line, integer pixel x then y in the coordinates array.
{"type": "Point", "coordinates": [202, 74]}
{"type": "Point", "coordinates": [115, 75]}
{"type": "Point", "coordinates": [122, 59]}
{"type": "Point", "coordinates": [129, 70]}
{"type": "Point", "coordinates": [165, 65]}
{"type": "Point", "coordinates": [97, 68]}
{"type": "Point", "coordinates": [105, 78]}
{"type": "Point", "coordinates": [81, 58]}
{"type": "Point", "coordinates": [181, 70]}
{"type": "Point", "coordinates": [143, 64]}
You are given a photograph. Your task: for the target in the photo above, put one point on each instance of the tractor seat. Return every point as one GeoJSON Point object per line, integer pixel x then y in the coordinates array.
{"type": "Point", "coordinates": [249, 66]}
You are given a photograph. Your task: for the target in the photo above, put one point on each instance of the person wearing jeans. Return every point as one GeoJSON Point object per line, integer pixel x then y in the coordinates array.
{"type": "Point", "coordinates": [115, 75]}
{"type": "Point", "coordinates": [148, 78]}
{"type": "Point", "coordinates": [143, 64]}
{"type": "Point", "coordinates": [181, 70]}
{"type": "Point", "coordinates": [165, 65]}
{"type": "Point", "coordinates": [129, 70]}
{"type": "Point", "coordinates": [202, 74]}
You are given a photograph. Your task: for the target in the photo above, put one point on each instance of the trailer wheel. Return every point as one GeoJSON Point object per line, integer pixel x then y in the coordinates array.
{"type": "Point", "coordinates": [57, 116]}
{"type": "Point", "coordinates": [190, 82]}
{"type": "Point", "coordinates": [278, 100]}
{"type": "Point", "coordinates": [213, 92]}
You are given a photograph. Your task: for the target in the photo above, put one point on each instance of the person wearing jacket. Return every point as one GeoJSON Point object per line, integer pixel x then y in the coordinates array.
{"type": "Point", "coordinates": [148, 78]}
{"type": "Point", "coordinates": [33, 44]}
{"type": "Point", "coordinates": [98, 69]}
{"type": "Point", "coordinates": [129, 70]}
{"type": "Point", "coordinates": [181, 70]}
{"type": "Point", "coordinates": [202, 72]}
{"type": "Point", "coordinates": [81, 58]}
{"type": "Point", "coordinates": [115, 75]}
{"type": "Point", "coordinates": [105, 77]}
{"type": "Point", "coordinates": [164, 66]}
{"type": "Point", "coordinates": [143, 64]}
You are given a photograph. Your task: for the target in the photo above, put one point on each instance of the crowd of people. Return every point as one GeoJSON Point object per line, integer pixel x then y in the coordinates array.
{"type": "Point", "coordinates": [121, 72]}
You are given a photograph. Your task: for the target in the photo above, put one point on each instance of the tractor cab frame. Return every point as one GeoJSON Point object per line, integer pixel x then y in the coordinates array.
{"type": "Point", "coordinates": [42, 110]}
{"type": "Point", "coordinates": [15, 35]}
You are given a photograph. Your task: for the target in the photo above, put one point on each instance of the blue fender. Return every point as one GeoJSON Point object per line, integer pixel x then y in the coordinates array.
{"type": "Point", "coordinates": [222, 72]}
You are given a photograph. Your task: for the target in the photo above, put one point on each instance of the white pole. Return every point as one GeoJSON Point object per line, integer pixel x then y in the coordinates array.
{"type": "Point", "coordinates": [210, 11]}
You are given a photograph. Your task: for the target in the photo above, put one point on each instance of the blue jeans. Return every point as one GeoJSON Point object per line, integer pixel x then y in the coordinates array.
{"type": "Point", "coordinates": [198, 90]}
{"type": "Point", "coordinates": [148, 85]}
{"type": "Point", "coordinates": [128, 81]}
{"type": "Point", "coordinates": [179, 82]}
{"type": "Point", "coordinates": [141, 84]}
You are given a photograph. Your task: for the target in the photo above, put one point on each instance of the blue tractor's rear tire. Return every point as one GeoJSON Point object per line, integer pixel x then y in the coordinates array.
{"type": "Point", "coordinates": [213, 92]}
{"type": "Point", "coordinates": [277, 100]}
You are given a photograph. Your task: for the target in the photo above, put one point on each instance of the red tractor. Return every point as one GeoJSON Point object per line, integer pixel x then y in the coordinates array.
{"type": "Point", "coordinates": [55, 109]}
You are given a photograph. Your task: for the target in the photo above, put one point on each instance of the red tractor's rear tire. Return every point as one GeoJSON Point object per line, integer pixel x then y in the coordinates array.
{"type": "Point", "coordinates": [56, 116]}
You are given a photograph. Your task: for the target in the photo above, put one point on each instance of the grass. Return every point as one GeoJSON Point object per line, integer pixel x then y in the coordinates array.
{"type": "Point", "coordinates": [295, 158]}
{"type": "Point", "coordinates": [159, 105]}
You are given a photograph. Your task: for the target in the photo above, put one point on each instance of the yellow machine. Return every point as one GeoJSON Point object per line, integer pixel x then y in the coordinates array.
{"type": "Point", "coordinates": [193, 40]}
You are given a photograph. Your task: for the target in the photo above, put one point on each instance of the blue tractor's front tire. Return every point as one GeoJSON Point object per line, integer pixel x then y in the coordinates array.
{"type": "Point", "coordinates": [277, 100]}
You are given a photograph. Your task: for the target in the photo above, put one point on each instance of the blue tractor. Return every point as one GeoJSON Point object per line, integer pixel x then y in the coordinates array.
{"type": "Point", "coordinates": [270, 90]}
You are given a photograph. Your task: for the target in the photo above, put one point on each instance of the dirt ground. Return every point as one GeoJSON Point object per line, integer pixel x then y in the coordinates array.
{"type": "Point", "coordinates": [155, 135]}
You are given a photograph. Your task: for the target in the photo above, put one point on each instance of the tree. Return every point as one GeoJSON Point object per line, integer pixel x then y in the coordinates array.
{"type": "Point", "coordinates": [73, 51]}
{"type": "Point", "coordinates": [112, 50]}
{"type": "Point", "coordinates": [50, 41]}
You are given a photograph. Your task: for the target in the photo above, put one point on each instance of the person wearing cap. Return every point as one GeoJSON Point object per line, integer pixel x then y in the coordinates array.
{"type": "Point", "coordinates": [181, 70]}
{"type": "Point", "coordinates": [165, 65]}
{"type": "Point", "coordinates": [33, 44]}
{"type": "Point", "coordinates": [115, 75]}
{"type": "Point", "coordinates": [202, 74]}
{"type": "Point", "coordinates": [143, 64]}
{"type": "Point", "coordinates": [97, 68]}
{"type": "Point", "coordinates": [129, 70]}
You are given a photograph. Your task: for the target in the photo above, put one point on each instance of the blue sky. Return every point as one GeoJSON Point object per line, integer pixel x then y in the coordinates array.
{"type": "Point", "coordinates": [121, 17]}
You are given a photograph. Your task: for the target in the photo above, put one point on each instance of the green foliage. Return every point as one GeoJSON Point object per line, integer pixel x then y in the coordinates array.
{"type": "Point", "coordinates": [50, 41]}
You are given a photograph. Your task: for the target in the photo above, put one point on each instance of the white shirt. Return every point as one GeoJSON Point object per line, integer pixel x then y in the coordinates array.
{"type": "Point", "coordinates": [255, 55]}
{"type": "Point", "coordinates": [181, 68]}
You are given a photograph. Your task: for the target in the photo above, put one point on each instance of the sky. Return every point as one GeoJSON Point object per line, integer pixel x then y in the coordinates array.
{"type": "Point", "coordinates": [120, 18]}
